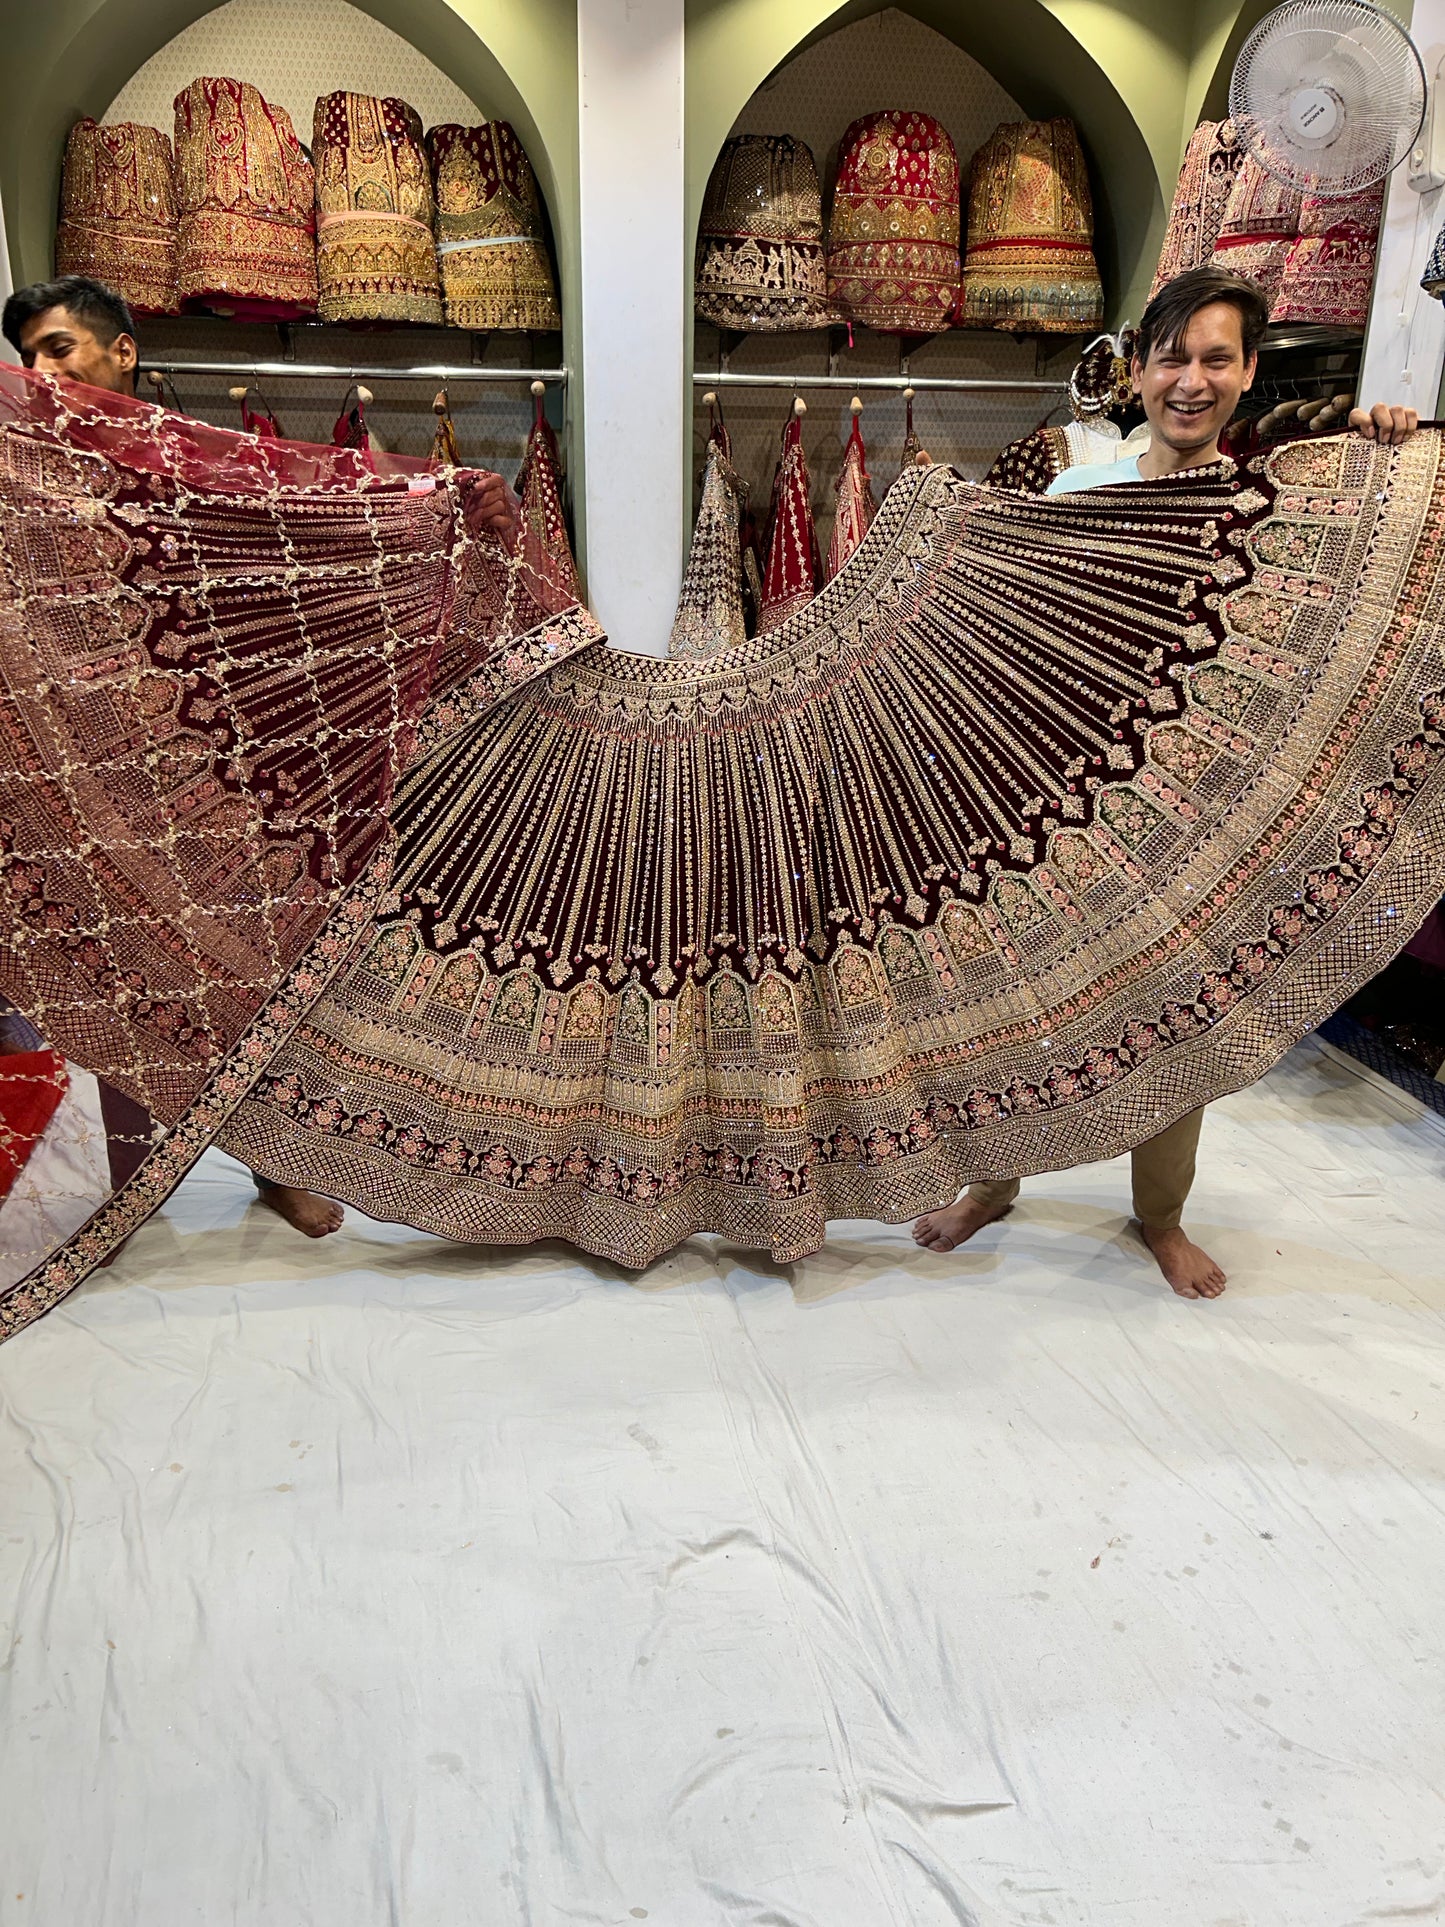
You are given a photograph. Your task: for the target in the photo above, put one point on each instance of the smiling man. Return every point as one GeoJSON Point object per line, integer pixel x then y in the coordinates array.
{"type": "Point", "coordinates": [1197, 352]}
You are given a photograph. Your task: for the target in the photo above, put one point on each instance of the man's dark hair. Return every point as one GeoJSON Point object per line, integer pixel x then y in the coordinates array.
{"type": "Point", "coordinates": [1168, 315]}
{"type": "Point", "coordinates": [99, 307]}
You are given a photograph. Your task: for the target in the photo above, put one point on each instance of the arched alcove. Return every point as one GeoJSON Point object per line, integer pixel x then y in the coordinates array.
{"type": "Point", "coordinates": [1045, 66]}
{"type": "Point", "coordinates": [516, 59]}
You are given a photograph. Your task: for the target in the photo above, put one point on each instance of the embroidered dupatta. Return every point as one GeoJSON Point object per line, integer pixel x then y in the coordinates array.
{"type": "Point", "coordinates": [215, 652]}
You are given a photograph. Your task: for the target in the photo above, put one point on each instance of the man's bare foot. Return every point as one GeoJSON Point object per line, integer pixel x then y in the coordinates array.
{"type": "Point", "coordinates": [1190, 1272]}
{"type": "Point", "coordinates": [303, 1210]}
{"type": "Point", "coordinates": [956, 1223]}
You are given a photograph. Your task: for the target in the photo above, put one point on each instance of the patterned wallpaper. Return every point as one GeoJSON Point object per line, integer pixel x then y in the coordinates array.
{"type": "Point", "coordinates": [292, 50]}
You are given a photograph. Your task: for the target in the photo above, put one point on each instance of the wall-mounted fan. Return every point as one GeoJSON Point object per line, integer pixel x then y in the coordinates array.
{"type": "Point", "coordinates": [1329, 95]}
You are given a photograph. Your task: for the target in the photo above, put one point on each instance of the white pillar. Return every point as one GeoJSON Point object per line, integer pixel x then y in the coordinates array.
{"type": "Point", "coordinates": [635, 338]}
{"type": "Point", "coordinates": [1405, 344]}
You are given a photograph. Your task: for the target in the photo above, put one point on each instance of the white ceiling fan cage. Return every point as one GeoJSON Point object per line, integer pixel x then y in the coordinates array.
{"type": "Point", "coordinates": [1328, 95]}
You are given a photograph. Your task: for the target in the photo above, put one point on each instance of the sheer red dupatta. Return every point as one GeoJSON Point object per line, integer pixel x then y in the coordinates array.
{"type": "Point", "coordinates": [215, 652]}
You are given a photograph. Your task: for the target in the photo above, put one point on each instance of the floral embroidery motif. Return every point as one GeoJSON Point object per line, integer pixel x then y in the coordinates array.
{"type": "Point", "coordinates": [1128, 815]}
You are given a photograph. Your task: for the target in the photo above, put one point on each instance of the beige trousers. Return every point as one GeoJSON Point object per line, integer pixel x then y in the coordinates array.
{"type": "Point", "coordinates": [1163, 1173]}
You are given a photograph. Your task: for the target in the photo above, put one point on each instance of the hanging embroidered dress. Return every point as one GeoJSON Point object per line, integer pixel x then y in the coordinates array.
{"type": "Point", "coordinates": [711, 611]}
{"type": "Point", "coordinates": [1045, 823]}
{"type": "Point", "coordinates": [491, 250]}
{"type": "Point", "coordinates": [539, 487]}
{"type": "Point", "coordinates": [119, 222]}
{"type": "Point", "coordinates": [855, 507]}
{"type": "Point", "coordinates": [375, 251]}
{"type": "Point", "coordinates": [794, 566]}
{"type": "Point", "coordinates": [247, 205]}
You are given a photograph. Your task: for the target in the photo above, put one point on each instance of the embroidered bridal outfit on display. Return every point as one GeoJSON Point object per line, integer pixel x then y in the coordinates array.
{"type": "Point", "coordinates": [893, 226]}
{"type": "Point", "coordinates": [759, 265]}
{"type": "Point", "coordinates": [495, 272]}
{"type": "Point", "coordinates": [247, 205]}
{"type": "Point", "coordinates": [1029, 261]}
{"type": "Point", "coordinates": [119, 222]}
{"type": "Point", "coordinates": [375, 250]}
{"type": "Point", "coordinates": [1045, 823]}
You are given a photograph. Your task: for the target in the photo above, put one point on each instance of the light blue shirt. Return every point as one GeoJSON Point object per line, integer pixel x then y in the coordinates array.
{"type": "Point", "coordinates": [1095, 475]}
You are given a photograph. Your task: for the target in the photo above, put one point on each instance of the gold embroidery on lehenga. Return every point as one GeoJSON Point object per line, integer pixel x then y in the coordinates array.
{"type": "Point", "coordinates": [1045, 821]}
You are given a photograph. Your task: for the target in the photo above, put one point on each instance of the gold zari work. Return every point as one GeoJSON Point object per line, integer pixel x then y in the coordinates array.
{"type": "Point", "coordinates": [118, 218]}
{"type": "Point", "coordinates": [1029, 263]}
{"type": "Point", "coordinates": [1047, 822]}
{"type": "Point", "coordinates": [375, 251]}
{"type": "Point", "coordinates": [759, 264]}
{"type": "Point", "coordinates": [493, 258]}
{"type": "Point", "coordinates": [247, 194]}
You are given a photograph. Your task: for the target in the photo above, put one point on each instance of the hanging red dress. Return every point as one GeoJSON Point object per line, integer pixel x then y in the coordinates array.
{"type": "Point", "coordinates": [794, 570]}
{"type": "Point", "coordinates": [856, 507]}
{"type": "Point", "coordinates": [539, 484]}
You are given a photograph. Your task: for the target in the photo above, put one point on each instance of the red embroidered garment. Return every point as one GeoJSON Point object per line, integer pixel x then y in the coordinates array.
{"type": "Point", "coordinates": [1206, 180]}
{"type": "Point", "coordinates": [1260, 224]}
{"type": "Point", "coordinates": [856, 508]}
{"type": "Point", "coordinates": [794, 568]}
{"type": "Point", "coordinates": [1329, 273]}
{"type": "Point", "coordinates": [214, 655]}
{"type": "Point", "coordinates": [247, 214]}
{"type": "Point", "coordinates": [539, 484]}
{"type": "Point", "coordinates": [118, 218]}
{"type": "Point", "coordinates": [1047, 822]}
{"type": "Point", "coordinates": [893, 228]}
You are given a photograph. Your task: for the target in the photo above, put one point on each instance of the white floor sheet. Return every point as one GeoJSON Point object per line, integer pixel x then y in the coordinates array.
{"type": "Point", "coordinates": [381, 1583]}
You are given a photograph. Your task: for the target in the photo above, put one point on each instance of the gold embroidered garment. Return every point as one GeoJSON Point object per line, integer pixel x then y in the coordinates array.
{"type": "Point", "coordinates": [495, 270]}
{"type": "Point", "coordinates": [1029, 263]}
{"type": "Point", "coordinates": [375, 251]}
{"type": "Point", "coordinates": [1206, 179]}
{"type": "Point", "coordinates": [118, 217]}
{"type": "Point", "coordinates": [759, 263]}
{"type": "Point", "coordinates": [214, 654]}
{"type": "Point", "coordinates": [1045, 823]}
{"type": "Point", "coordinates": [247, 205]}
{"type": "Point", "coordinates": [893, 227]}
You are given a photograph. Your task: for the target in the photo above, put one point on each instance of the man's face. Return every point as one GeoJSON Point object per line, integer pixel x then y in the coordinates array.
{"type": "Point", "coordinates": [1191, 388]}
{"type": "Point", "coordinates": [60, 344]}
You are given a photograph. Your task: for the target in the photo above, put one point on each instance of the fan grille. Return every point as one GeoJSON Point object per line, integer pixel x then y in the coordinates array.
{"type": "Point", "coordinates": [1328, 95]}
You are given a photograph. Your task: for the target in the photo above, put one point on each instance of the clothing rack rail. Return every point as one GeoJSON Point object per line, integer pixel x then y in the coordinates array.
{"type": "Point", "coordinates": [337, 371]}
{"type": "Point", "coordinates": [853, 384]}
